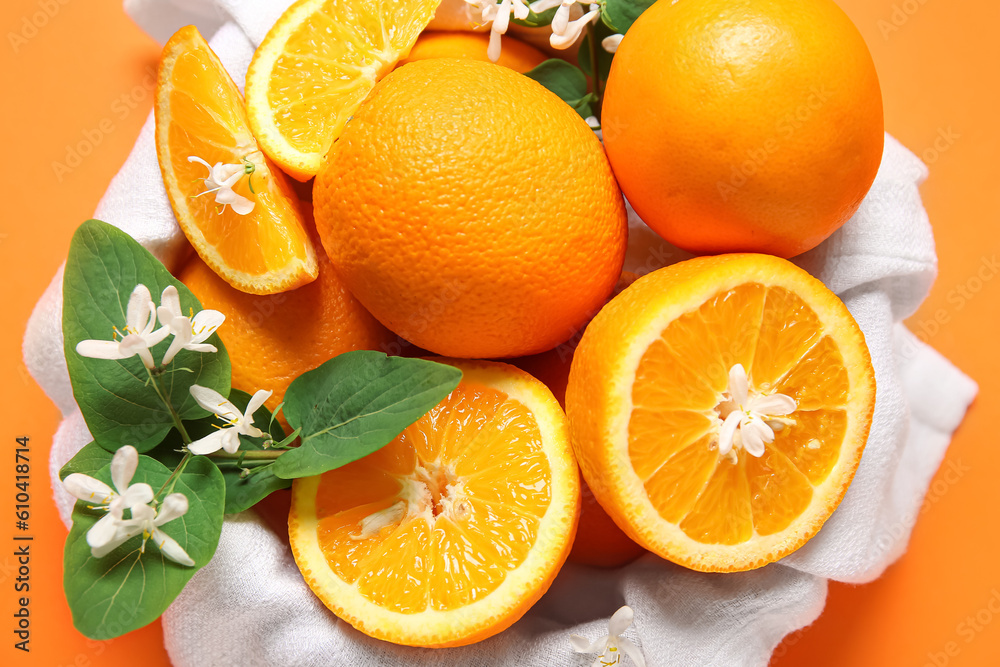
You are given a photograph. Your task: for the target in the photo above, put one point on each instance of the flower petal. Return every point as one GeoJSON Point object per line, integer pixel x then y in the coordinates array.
{"type": "Point", "coordinates": [138, 311]}
{"type": "Point", "coordinates": [101, 349]}
{"type": "Point", "coordinates": [493, 50]}
{"type": "Point", "coordinates": [181, 328]}
{"type": "Point", "coordinates": [230, 440]}
{"type": "Point", "coordinates": [213, 401]}
{"type": "Point", "coordinates": [241, 205]}
{"type": "Point", "coordinates": [170, 302]}
{"type": "Point", "coordinates": [738, 386]}
{"type": "Point", "coordinates": [257, 400]}
{"type": "Point", "coordinates": [210, 443]}
{"type": "Point", "coordinates": [103, 531]}
{"type": "Point", "coordinates": [137, 494]}
{"type": "Point", "coordinates": [632, 651]}
{"type": "Point", "coordinates": [169, 547]}
{"type": "Point", "coordinates": [611, 42]}
{"type": "Point", "coordinates": [584, 645]}
{"type": "Point", "coordinates": [775, 404]}
{"type": "Point", "coordinates": [201, 347]}
{"type": "Point", "coordinates": [123, 465]}
{"type": "Point", "coordinates": [727, 434]}
{"type": "Point", "coordinates": [620, 621]}
{"type": "Point", "coordinates": [86, 488]}
{"type": "Point", "coordinates": [175, 505]}
{"type": "Point", "coordinates": [205, 323]}
{"type": "Point", "coordinates": [752, 437]}
{"type": "Point", "coordinates": [123, 535]}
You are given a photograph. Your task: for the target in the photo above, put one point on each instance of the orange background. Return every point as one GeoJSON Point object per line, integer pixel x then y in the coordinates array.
{"type": "Point", "coordinates": [83, 68]}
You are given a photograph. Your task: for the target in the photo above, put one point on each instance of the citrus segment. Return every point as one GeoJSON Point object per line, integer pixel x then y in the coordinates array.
{"type": "Point", "coordinates": [316, 65]}
{"type": "Point", "coordinates": [449, 533]}
{"type": "Point", "coordinates": [199, 114]}
{"type": "Point", "coordinates": [695, 458]}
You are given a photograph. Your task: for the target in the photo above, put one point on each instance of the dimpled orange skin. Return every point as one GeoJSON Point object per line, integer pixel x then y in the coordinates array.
{"type": "Point", "coordinates": [472, 211]}
{"type": "Point", "coordinates": [515, 54]}
{"type": "Point", "coordinates": [273, 339]}
{"type": "Point", "coordinates": [744, 125]}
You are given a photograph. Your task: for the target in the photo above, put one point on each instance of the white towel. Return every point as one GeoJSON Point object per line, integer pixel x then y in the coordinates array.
{"type": "Point", "coordinates": [260, 612]}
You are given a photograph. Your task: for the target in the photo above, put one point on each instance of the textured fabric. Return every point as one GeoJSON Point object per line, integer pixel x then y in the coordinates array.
{"type": "Point", "coordinates": [882, 263]}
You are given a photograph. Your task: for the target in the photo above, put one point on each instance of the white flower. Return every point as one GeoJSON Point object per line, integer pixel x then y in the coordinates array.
{"type": "Point", "coordinates": [565, 32]}
{"type": "Point", "coordinates": [499, 14]}
{"type": "Point", "coordinates": [750, 417]}
{"type": "Point", "coordinates": [610, 644]}
{"type": "Point", "coordinates": [138, 337]}
{"type": "Point", "coordinates": [611, 42]}
{"type": "Point", "coordinates": [221, 179]}
{"type": "Point", "coordinates": [226, 438]}
{"type": "Point", "coordinates": [88, 489]}
{"type": "Point", "coordinates": [190, 333]}
{"type": "Point", "coordinates": [147, 521]}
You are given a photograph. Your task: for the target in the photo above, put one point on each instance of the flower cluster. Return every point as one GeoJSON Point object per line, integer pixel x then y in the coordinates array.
{"type": "Point", "coordinates": [612, 646]}
{"type": "Point", "coordinates": [140, 334]}
{"type": "Point", "coordinates": [113, 529]}
{"type": "Point", "coordinates": [750, 420]}
{"type": "Point", "coordinates": [567, 24]}
{"type": "Point", "coordinates": [226, 438]}
{"type": "Point", "coordinates": [223, 177]}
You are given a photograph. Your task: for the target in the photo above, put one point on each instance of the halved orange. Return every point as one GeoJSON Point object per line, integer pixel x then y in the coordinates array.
{"type": "Point", "coordinates": [719, 409]}
{"type": "Point", "coordinates": [201, 123]}
{"type": "Point", "coordinates": [448, 534]}
{"type": "Point", "coordinates": [315, 67]}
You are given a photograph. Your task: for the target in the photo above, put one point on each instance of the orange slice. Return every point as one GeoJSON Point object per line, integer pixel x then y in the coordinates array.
{"type": "Point", "coordinates": [447, 535]}
{"type": "Point", "coordinates": [719, 408]}
{"type": "Point", "coordinates": [200, 121]}
{"type": "Point", "coordinates": [316, 65]}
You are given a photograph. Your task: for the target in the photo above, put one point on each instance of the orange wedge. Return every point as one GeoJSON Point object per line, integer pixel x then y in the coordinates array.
{"type": "Point", "coordinates": [719, 408]}
{"type": "Point", "coordinates": [447, 535]}
{"type": "Point", "coordinates": [316, 65]}
{"type": "Point", "coordinates": [201, 123]}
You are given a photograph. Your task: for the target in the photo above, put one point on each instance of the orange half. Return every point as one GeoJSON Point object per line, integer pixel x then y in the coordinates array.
{"type": "Point", "coordinates": [199, 114]}
{"type": "Point", "coordinates": [447, 535]}
{"type": "Point", "coordinates": [650, 390]}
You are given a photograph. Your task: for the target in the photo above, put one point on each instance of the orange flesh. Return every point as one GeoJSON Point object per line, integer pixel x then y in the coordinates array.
{"type": "Point", "coordinates": [474, 482]}
{"type": "Point", "coordinates": [207, 119]}
{"type": "Point", "coordinates": [680, 381]}
{"type": "Point", "coordinates": [330, 64]}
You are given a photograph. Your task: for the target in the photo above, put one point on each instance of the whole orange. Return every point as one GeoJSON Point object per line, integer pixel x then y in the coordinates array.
{"type": "Point", "coordinates": [471, 210]}
{"type": "Point", "coordinates": [744, 125]}
{"type": "Point", "coordinates": [515, 54]}
{"type": "Point", "coordinates": [273, 339]}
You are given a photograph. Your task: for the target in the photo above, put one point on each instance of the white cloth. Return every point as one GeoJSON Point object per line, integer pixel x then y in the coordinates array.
{"type": "Point", "coordinates": [250, 606]}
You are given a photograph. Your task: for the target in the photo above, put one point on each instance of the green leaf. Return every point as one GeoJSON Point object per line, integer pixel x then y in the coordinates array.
{"type": "Point", "coordinates": [619, 15]}
{"type": "Point", "coordinates": [87, 461]}
{"type": "Point", "coordinates": [128, 589]}
{"type": "Point", "coordinates": [355, 404]}
{"type": "Point", "coordinates": [118, 403]}
{"type": "Point", "coordinates": [603, 57]}
{"type": "Point", "coordinates": [534, 20]}
{"type": "Point", "coordinates": [566, 81]}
